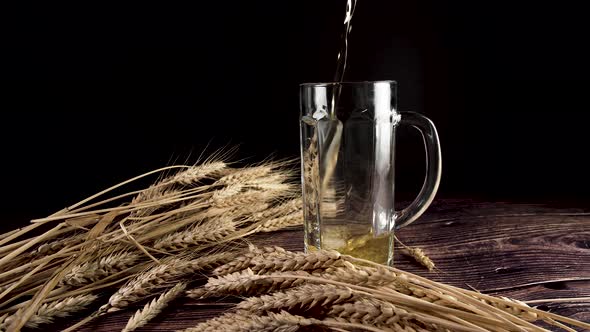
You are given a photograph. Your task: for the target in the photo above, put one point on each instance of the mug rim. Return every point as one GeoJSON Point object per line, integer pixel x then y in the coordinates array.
{"type": "Point", "coordinates": [347, 83]}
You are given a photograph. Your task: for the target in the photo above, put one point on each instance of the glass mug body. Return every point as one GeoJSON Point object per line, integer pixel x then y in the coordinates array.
{"type": "Point", "coordinates": [348, 137]}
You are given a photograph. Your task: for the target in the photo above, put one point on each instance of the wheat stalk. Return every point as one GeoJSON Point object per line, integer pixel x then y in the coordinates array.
{"type": "Point", "coordinates": [153, 308]}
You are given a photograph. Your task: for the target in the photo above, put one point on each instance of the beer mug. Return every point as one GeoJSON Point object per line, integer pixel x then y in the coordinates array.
{"type": "Point", "coordinates": [348, 133]}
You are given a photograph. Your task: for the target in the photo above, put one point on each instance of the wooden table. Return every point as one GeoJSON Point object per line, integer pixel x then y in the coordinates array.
{"type": "Point", "coordinates": [524, 251]}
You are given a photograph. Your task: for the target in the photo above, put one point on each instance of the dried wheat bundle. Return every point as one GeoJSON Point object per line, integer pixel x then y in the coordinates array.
{"type": "Point", "coordinates": [143, 245]}
{"type": "Point", "coordinates": [325, 288]}
{"type": "Point", "coordinates": [193, 226]}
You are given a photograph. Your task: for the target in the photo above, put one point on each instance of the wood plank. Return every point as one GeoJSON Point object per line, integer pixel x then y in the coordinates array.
{"type": "Point", "coordinates": [524, 251]}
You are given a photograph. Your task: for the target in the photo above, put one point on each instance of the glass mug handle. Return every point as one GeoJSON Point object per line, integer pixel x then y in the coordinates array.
{"type": "Point", "coordinates": [433, 169]}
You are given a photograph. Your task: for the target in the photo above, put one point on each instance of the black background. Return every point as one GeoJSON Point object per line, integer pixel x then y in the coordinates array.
{"type": "Point", "coordinates": [92, 94]}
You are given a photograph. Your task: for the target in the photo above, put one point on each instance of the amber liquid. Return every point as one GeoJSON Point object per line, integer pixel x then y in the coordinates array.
{"type": "Point", "coordinates": [358, 241]}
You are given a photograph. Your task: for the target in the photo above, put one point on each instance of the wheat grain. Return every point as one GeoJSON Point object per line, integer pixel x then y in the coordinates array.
{"type": "Point", "coordinates": [303, 297]}
{"type": "Point", "coordinates": [153, 308]}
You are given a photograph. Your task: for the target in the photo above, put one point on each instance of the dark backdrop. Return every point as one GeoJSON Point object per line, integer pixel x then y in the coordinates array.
{"type": "Point", "coordinates": [93, 94]}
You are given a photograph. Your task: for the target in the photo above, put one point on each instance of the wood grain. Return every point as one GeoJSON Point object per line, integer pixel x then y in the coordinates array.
{"type": "Point", "coordinates": [524, 251]}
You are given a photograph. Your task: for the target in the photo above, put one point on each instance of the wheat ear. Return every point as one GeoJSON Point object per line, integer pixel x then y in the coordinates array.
{"type": "Point", "coordinates": [101, 268]}
{"type": "Point", "coordinates": [207, 232]}
{"type": "Point", "coordinates": [290, 261]}
{"type": "Point", "coordinates": [185, 177]}
{"type": "Point", "coordinates": [417, 254]}
{"type": "Point", "coordinates": [245, 198]}
{"type": "Point", "coordinates": [272, 322]}
{"type": "Point", "coordinates": [193, 174]}
{"type": "Point", "coordinates": [383, 314]}
{"type": "Point", "coordinates": [48, 312]}
{"type": "Point", "coordinates": [303, 297]}
{"type": "Point", "coordinates": [160, 276]}
{"type": "Point", "coordinates": [245, 175]}
{"type": "Point", "coordinates": [275, 224]}
{"type": "Point", "coordinates": [245, 283]}
{"type": "Point", "coordinates": [53, 247]}
{"type": "Point", "coordinates": [522, 313]}
{"type": "Point", "coordinates": [371, 312]}
{"type": "Point", "coordinates": [359, 275]}
{"type": "Point", "coordinates": [282, 209]}
{"type": "Point", "coordinates": [241, 262]}
{"type": "Point", "coordinates": [152, 309]}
